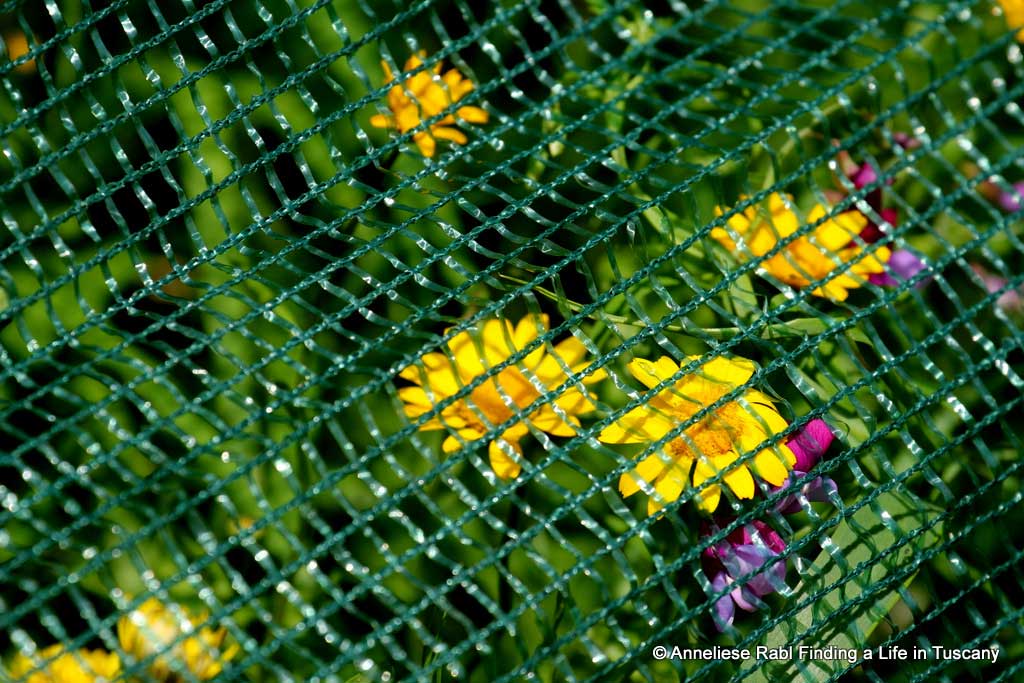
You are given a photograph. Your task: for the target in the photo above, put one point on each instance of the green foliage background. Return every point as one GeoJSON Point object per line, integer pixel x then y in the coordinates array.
{"type": "Point", "coordinates": [214, 268]}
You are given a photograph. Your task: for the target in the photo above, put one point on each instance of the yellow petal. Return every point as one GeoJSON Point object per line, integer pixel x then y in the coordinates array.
{"type": "Point", "coordinates": [565, 355]}
{"type": "Point", "coordinates": [639, 425]}
{"type": "Point", "coordinates": [773, 464]}
{"type": "Point", "coordinates": [497, 339]}
{"type": "Point", "coordinates": [570, 351]}
{"type": "Point", "coordinates": [414, 61]}
{"type": "Point", "coordinates": [388, 76]}
{"type": "Point", "coordinates": [835, 234]}
{"type": "Point", "coordinates": [594, 376]}
{"type": "Point", "coordinates": [764, 415]}
{"type": "Point", "coordinates": [445, 133]}
{"type": "Point", "coordinates": [454, 443]}
{"type": "Point", "coordinates": [730, 372]}
{"type": "Point", "coordinates": [706, 496]}
{"type": "Point", "coordinates": [515, 386]}
{"type": "Point", "coordinates": [831, 291]}
{"type": "Point", "coordinates": [416, 402]}
{"type": "Point", "coordinates": [425, 143]}
{"type": "Point", "coordinates": [646, 471]}
{"type": "Point", "coordinates": [452, 78]}
{"type": "Point", "coordinates": [380, 121]}
{"type": "Point", "coordinates": [784, 221]}
{"type": "Point", "coordinates": [528, 329]}
{"type": "Point", "coordinates": [666, 490]}
{"type": "Point", "coordinates": [653, 374]}
{"type": "Point", "coordinates": [575, 402]}
{"type": "Point", "coordinates": [547, 420]}
{"type": "Point", "coordinates": [779, 204]}
{"type": "Point", "coordinates": [435, 370]}
{"type": "Point", "coordinates": [724, 238]}
{"type": "Point", "coordinates": [737, 477]}
{"type": "Point", "coordinates": [415, 397]}
{"type": "Point", "coordinates": [502, 462]}
{"type": "Point", "coordinates": [473, 114]}
{"type": "Point", "coordinates": [762, 240]}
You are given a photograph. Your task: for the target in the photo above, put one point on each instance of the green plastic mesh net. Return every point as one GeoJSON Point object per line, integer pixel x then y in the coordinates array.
{"type": "Point", "coordinates": [554, 340]}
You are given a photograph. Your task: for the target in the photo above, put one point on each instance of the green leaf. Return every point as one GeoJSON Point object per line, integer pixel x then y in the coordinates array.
{"type": "Point", "coordinates": [846, 577]}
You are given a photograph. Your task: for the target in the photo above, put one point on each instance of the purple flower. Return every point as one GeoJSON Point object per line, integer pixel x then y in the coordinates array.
{"type": "Point", "coordinates": [1011, 300]}
{"type": "Point", "coordinates": [740, 560]}
{"type": "Point", "coordinates": [905, 140]}
{"type": "Point", "coordinates": [902, 265]}
{"type": "Point", "coordinates": [1011, 200]}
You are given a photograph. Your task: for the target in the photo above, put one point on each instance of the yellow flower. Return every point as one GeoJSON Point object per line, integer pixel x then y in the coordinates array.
{"type": "Point", "coordinates": [1013, 10]}
{"type": "Point", "coordinates": [17, 46]}
{"type": "Point", "coordinates": [504, 395]}
{"type": "Point", "coordinates": [809, 258]}
{"type": "Point", "coordinates": [711, 445]}
{"type": "Point", "coordinates": [153, 627]}
{"type": "Point", "coordinates": [55, 665]}
{"type": "Point", "coordinates": [423, 96]}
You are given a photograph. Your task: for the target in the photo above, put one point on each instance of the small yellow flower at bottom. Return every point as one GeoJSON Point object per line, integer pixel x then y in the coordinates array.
{"type": "Point", "coordinates": [506, 393]}
{"type": "Point", "coordinates": [423, 96]}
{"type": "Point", "coordinates": [711, 445]}
{"type": "Point", "coordinates": [153, 626]}
{"type": "Point", "coordinates": [54, 664]}
{"type": "Point", "coordinates": [1013, 10]}
{"type": "Point", "coordinates": [810, 258]}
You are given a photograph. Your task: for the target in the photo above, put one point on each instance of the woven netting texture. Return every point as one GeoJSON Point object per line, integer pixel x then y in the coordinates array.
{"type": "Point", "coordinates": [528, 340]}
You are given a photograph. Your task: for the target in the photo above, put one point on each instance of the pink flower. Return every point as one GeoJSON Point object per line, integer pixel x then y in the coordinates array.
{"type": "Point", "coordinates": [810, 443]}
{"type": "Point", "coordinates": [1011, 200]}
{"type": "Point", "coordinates": [1011, 301]}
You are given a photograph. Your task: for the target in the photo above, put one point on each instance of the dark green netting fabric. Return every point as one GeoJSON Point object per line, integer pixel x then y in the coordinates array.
{"type": "Point", "coordinates": [533, 340]}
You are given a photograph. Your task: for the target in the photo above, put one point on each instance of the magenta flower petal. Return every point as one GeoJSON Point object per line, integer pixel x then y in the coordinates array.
{"type": "Point", "coordinates": [883, 280]}
{"type": "Point", "coordinates": [863, 175]}
{"type": "Point", "coordinates": [767, 535]}
{"type": "Point", "coordinates": [810, 443]}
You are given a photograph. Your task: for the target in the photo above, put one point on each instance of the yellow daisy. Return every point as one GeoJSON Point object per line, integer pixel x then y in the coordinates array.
{"type": "Point", "coordinates": [56, 665]}
{"type": "Point", "coordinates": [505, 394]}
{"type": "Point", "coordinates": [423, 96]}
{"type": "Point", "coordinates": [711, 445]}
{"type": "Point", "coordinates": [809, 258]}
{"type": "Point", "coordinates": [153, 627]}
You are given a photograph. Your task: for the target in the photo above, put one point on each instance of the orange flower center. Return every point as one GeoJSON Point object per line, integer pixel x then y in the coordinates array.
{"type": "Point", "coordinates": [709, 438]}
